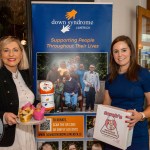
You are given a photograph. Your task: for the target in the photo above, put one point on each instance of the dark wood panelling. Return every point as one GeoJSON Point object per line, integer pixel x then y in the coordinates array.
{"type": "Point", "coordinates": [148, 4]}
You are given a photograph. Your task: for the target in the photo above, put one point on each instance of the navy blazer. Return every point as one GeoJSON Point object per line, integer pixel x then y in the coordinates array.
{"type": "Point", "coordinates": [9, 101]}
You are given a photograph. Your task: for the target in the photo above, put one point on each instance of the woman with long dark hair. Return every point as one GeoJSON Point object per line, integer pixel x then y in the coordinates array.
{"type": "Point", "coordinates": [127, 87]}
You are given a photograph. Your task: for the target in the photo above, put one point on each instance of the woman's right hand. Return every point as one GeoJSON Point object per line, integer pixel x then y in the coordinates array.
{"type": "Point", "coordinates": [10, 118]}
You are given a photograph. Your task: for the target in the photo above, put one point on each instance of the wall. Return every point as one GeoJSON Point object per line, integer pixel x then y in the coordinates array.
{"type": "Point", "coordinates": [124, 17]}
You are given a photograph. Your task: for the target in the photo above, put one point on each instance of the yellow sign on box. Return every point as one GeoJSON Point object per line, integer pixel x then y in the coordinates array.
{"type": "Point", "coordinates": [61, 127]}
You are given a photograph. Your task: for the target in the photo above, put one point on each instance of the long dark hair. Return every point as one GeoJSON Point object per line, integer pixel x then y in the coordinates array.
{"type": "Point", "coordinates": [133, 67]}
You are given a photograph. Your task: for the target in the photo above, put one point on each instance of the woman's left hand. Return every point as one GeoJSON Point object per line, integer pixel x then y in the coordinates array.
{"type": "Point", "coordinates": [133, 119]}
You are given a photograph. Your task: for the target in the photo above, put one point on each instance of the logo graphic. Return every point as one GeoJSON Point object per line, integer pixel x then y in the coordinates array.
{"type": "Point", "coordinates": [69, 15]}
{"type": "Point", "coordinates": [46, 86]}
{"type": "Point", "coordinates": [65, 29]}
{"type": "Point", "coordinates": [72, 21]}
{"type": "Point", "coordinates": [110, 128]}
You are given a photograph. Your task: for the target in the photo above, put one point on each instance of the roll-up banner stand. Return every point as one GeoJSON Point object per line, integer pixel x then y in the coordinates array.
{"type": "Point", "coordinates": [71, 34]}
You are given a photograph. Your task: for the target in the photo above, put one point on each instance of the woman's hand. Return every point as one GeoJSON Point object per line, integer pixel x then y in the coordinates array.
{"type": "Point", "coordinates": [10, 118]}
{"type": "Point", "coordinates": [133, 119]}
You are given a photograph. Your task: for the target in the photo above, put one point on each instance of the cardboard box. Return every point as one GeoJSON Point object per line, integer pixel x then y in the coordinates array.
{"type": "Point", "coordinates": [110, 126]}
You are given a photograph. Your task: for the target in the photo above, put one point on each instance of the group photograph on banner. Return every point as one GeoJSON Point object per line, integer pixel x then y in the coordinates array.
{"type": "Point", "coordinates": [71, 44]}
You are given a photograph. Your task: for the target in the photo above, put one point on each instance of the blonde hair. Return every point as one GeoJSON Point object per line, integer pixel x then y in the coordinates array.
{"type": "Point", "coordinates": [23, 64]}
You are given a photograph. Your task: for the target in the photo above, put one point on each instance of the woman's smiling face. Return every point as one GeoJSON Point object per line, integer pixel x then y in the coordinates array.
{"type": "Point", "coordinates": [11, 55]}
{"type": "Point", "coordinates": [121, 54]}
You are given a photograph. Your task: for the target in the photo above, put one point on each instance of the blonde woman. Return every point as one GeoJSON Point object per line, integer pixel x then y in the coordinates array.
{"type": "Point", "coordinates": [14, 93]}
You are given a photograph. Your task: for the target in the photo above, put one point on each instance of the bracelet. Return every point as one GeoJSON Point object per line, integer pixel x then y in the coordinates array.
{"type": "Point", "coordinates": [143, 116]}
